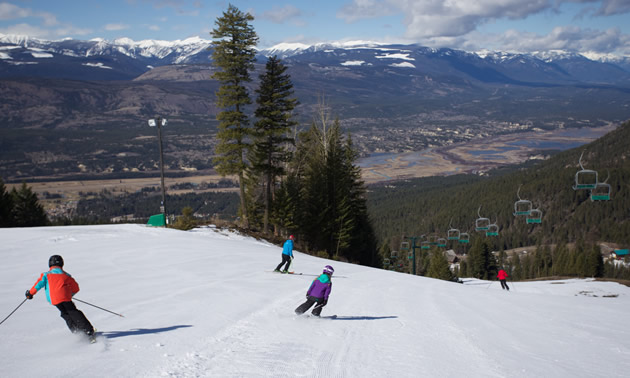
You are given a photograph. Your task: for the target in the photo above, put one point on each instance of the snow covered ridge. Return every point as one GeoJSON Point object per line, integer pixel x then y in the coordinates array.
{"type": "Point", "coordinates": [193, 45]}
{"type": "Point", "coordinates": [145, 48]}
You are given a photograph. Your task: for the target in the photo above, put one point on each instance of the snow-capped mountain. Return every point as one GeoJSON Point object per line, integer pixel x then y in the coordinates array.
{"type": "Point", "coordinates": [124, 59]}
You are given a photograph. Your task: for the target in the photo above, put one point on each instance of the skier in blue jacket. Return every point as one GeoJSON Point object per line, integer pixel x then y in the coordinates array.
{"type": "Point", "coordinates": [318, 293]}
{"type": "Point", "coordinates": [287, 255]}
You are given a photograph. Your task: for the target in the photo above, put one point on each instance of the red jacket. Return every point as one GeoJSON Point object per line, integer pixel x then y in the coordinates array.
{"type": "Point", "coordinates": [502, 275]}
{"type": "Point", "coordinates": [60, 286]}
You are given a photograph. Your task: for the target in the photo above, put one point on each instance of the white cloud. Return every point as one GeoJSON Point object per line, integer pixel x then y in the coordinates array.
{"type": "Point", "coordinates": [116, 27]}
{"type": "Point", "coordinates": [280, 15]}
{"type": "Point", "coordinates": [613, 7]}
{"type": "Point", "coordinates": [13, 12]}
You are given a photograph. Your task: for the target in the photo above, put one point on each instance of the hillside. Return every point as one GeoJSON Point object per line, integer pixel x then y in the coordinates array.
{"type": "Point", "coordinates": [432, 205]}
{"type": "Point", "coordinates": [202, 303]}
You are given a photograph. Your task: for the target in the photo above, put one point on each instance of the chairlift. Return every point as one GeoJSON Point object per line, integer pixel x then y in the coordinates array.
{"type": "Point", "coordinates": [425, 245]}
{"type": "Point", "coordinates": [394, 255]}
{"type": "Point", "coordinates": [441, 242]}
{"type": "Point", "coordinates": [386, 262]}
{"type": "Point", "coordinates": [535, 216]}
{"type": "Point", "coordinates": [493, 230]}
{"type": "Point", "coordinates": [452, 233]}
{"type": "Point", "coordinates": [481, 224]}
{"type": "Point", "coordinates": [601, 192]}
{"type": "Point", "coordinates": [464, 238]}
{"type": "Point", "coordinates": [404, 246]}
{"type": "Point", "coordinates": [432, 240]}
{"type": "Point", "coordinates": [585, 178]}
{"type": "Point", "coordinates": [521, 207]}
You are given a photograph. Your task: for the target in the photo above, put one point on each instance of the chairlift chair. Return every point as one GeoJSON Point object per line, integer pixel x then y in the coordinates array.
{"type": "Point", "coordinates": [535, 216]}
{"type": "Point", "coordinates": [441, 242]}
{"type": "Point", "coordinates": [481, 224]}
{"type": "Point", "coordinates": [522, 207]}
{"type": "Point", "coordinates": [585, 178]}
{"type": "Point", "coordinates": [425, 245]}
{"type": "Point", "coordinates": [404, 246]}
{"type": "Point", "coordinates": [464, 238]}
{"type": "Point", "coordinates": [601, 192]}
{"type": "Point", "coordinates": [386, 262]}
{"type": "Point", "coordinates": [432, 240]}
{"type": "Point", "coordinates": [453, 234]}
{"type": "Point", "coordinates": [394, 254]}
{"type": "Point", "coordinates": [493, 230]}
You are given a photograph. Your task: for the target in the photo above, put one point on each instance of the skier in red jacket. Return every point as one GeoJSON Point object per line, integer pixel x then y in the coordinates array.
{"type": "Point", "coordinates": [60, 287]}
{"type": "Point", "coordinates": [502, 277]}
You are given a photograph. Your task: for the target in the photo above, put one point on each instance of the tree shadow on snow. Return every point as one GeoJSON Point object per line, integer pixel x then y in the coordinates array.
{"type": "Point", "coordinates": [361, 317]}
{"type": "Point", "coordinates": [141, 331]}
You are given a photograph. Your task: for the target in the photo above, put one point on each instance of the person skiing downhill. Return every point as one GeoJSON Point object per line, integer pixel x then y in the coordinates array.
{"type": "Point", "coordinates": [60, 288]}
{"type": "Point", "coordinates": [318, 293]}
{"type": "Point", "coordinates": [287, 255]}
{"type": "Point", "coordinates": [502, 275]}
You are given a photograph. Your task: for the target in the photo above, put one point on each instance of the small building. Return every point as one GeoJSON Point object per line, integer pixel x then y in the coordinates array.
{"type": "Point", "coordinates": [619, 254]}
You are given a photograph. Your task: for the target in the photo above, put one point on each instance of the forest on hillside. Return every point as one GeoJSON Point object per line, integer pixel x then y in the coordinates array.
{"type": "Point", "coordinates": [432, 206]}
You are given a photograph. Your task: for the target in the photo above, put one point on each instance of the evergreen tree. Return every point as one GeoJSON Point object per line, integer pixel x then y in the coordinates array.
{"type": "Point", "coordinates": [333, 211]}
{"type": "Point", "coordinates": [439, 267]}
{"type": "Point", "coordinates": [6, 207]}
{"type": "Point", "coordinates": [270, 153]}
{"type": "Point", "coordinates": [27, 211]}
{"type": "Point", "coordinates": [481, 262]}
{"type": "Point", "coordinates": [234, 54]}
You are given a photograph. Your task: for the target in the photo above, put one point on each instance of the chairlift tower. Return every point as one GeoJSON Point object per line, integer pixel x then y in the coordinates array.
{"type": "Point", "coordinates": [413, 247]}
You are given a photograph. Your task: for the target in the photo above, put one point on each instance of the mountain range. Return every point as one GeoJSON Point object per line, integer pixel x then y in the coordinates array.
{"type": "Point", "coordinates": [379, 92]}
{"type": "Point", "coordinates": [125, 59]}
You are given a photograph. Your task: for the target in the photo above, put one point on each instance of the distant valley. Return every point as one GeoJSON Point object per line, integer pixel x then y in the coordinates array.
{"type": "Point", "coordinates": [78, 109]}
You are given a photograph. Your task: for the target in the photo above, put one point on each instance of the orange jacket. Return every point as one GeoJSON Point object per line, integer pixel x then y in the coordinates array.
{"type": "Point", "coordinates": [60, 286]}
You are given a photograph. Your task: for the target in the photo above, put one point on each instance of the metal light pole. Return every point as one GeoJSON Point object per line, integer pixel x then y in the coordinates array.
{"type": "Point", "coordinates": [159, 122]}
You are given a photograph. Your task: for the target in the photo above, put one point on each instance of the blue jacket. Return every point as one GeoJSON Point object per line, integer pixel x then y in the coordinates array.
{"type": "Point", "coordinates": [287, 249]}
{"type": "Point", "coordinates": [321, 287]}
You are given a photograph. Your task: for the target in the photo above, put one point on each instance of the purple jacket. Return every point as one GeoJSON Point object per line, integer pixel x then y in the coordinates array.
{"type": "Point", "coordinates": [321, 287]}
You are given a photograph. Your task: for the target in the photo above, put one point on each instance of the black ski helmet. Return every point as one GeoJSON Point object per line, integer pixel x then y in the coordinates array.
{"type": "Point", "coordinates": [55, 260]}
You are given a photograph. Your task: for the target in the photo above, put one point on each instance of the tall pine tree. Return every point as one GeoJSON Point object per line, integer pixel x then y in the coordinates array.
{"type": "Point", "coordinates": [234, 54]}
{"type": "Point", "coordinates": [333, 212]}
{"type": "Point", "coordinates": [271, 132]}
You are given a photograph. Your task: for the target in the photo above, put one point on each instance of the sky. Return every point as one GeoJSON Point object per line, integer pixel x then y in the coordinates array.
{"type": "Point", "coordinates": [204, 303]}
{"type": "Point", "coordinates": [588, 26]}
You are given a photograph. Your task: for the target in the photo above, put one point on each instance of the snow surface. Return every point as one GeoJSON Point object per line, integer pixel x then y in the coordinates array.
{"type": "Point", "coordinates": [204, 303]}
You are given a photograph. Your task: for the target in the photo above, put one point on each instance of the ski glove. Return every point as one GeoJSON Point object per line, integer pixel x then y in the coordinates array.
{"type": "Point", "coordinates": [324, 302]}
{"type": "Point", "coordinates": [28, 294]}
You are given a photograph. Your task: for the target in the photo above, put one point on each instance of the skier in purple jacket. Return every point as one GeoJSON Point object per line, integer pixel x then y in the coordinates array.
{"type": "Point", "coordinates": [318, 293]}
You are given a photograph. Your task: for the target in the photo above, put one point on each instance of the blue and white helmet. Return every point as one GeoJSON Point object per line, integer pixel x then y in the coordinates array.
{"type": "Point", "coordinates": [329, 270]}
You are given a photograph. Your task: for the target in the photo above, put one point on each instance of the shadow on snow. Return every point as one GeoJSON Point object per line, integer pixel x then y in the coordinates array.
{"type": "Point", "coordinates": [361, 317]}
{"type": "Point", "coordinates": [141, 331]}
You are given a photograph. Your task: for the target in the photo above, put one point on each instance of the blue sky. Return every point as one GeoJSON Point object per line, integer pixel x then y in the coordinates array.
{"type": "Point", "coordinates": [587, 26]}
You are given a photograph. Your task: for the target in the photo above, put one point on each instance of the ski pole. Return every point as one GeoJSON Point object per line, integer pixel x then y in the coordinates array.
{"type": "Point", "coordinates": [491, 282]}
{"type": "Point", "coordinates": [100, 308]}
{"type": "Point", "coordinates": [14, 310]}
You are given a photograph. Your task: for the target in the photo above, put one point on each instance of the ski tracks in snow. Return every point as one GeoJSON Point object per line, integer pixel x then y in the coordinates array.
{"type": "Point", "coordinates": [270, 342]}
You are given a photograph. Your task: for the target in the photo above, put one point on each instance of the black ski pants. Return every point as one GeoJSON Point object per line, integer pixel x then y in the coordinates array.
{"type": "Point", "coordinates": [317, 310]}
{"type": "Point", "coordinates": [74, 318]}
{"type": "Point", "coordinates": [286, 259]}
{"type": "Point", "coordinates": [504, 285]}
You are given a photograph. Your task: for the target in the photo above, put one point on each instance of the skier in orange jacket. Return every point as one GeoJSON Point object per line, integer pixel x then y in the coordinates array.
{"type": "Point", "coordinates": [60, 287]}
